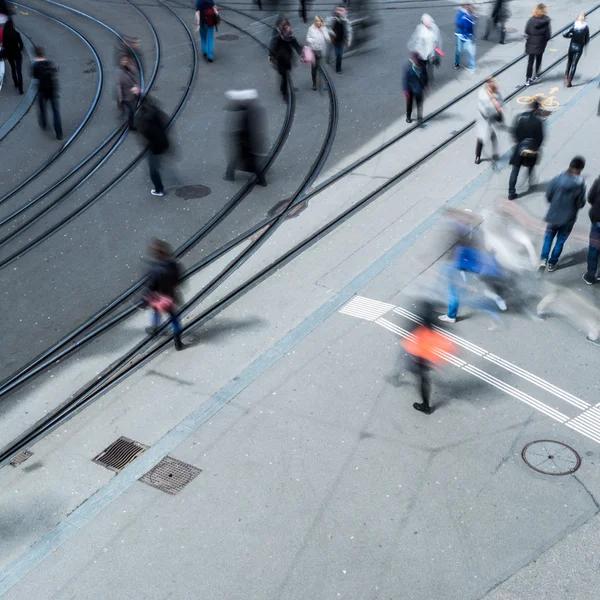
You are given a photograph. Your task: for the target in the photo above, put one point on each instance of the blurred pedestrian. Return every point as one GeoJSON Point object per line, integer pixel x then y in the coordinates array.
{"type": "Point", "coordinates": [594, 246]}
{"type": "Point", "coordinates": [491, 113]}
{"type": "Point", "coordinates": [426, 348]}
{"type": "Point", "coordinates": [579, 33]}
{"type": "Point", "coordinates": [246, 135]}
{"type": "Point", "coordinates": [426, 41]}
{"type": "Point", "coordinates": [414, 82]}
{"type": "Point", "coordinates": [282, 51]}
{"type": "Point", "coordinates": [566, 195]}
{"type": "Point", "coordinates": [537, 33]}
{"type": "Point", "coordinates": [498, 18]}
{"type": "Point", "coordinates": [128, 46]}
{"type": "Point", "coordinates": [3, 19]}
{"type": "Point", "coordinates": [161, 293]}
{"type": "Point", "coordinates": [317, 40]}
{"type": "Point", "coordinates": [45, 74]}
{"type": "Point", "coordinates": [207, 19]}
{"type": "Point", "coordinates": [12, 47]}
{"type": "Point", "coordinates": [152, 125]}
{"type": "Point", "coordinates": [340, 31]}
{"type": "Point", "coordinates": [302, 11]}
{"type": "Point", "coordinates": [128, 88]}
{"type": "Point", "coordinates": [528, 132]}
{"type": "Point", "coordinates": [464, 24]}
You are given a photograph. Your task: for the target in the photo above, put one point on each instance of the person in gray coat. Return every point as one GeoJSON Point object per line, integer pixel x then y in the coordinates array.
{"type": "Point", "coordinates": [566, 195]}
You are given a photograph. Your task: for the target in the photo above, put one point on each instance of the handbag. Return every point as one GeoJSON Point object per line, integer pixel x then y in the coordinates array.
{"type": "Point", "coordinates": [160, 303]}
{"type": "Point", "coordinates": [307, 55]}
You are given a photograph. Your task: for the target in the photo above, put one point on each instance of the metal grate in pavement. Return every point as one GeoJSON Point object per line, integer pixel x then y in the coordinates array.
{"type": "Point", "coordinates": [551, 457]}
{"type": "Point", "coordinates": [119, 454]}
{"type": "Point", "coordinates": [170, 475]}
{"type": "Point", "coordinates": [20, 457]}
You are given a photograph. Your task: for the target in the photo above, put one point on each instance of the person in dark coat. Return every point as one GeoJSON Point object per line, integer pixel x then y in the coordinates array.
{"type": "Point", "coordinates": [566, 195]}
{"type": "Point", "coordinates": [152, 125]}
{"type": "Point", "coordinates": [282, 51]}
{"type": "Point", "coordinates": [245, 135]}
{"type": "Point", "coordinates": [128, 88]}
{"type": "Point", "coordinates": [340, 31]}
{"type": "Point", "coordinates": [12, 45]}
{"type": "Point", "coordinates": [528, 132]}
{"type": "Point", "coordinates": [579, 33]}
{"type": "Point", "coordinates": [498, 18]}
{"type": "Point", "coordinates": [594, 247]}
{"type": "Point", "coordinates": [161, 293]}
{"type": "Point", "coordinates": [44, 72]}
{"type": "Point", "coordinates": [537, 33]}
{"type": "Point", "coordinates": [414, 82]}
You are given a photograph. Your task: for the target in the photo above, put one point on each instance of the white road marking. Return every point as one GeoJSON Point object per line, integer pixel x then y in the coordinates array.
{"type": "Point", "coordinates": [365, 308]}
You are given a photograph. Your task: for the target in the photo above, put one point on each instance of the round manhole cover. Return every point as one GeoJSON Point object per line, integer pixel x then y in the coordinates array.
{"type": "Point", "coordinates": [228, 37]}
{"type": "Point", "coordinates": [189, 192]}
{"type": "Point", "coordinates": [551, 458]}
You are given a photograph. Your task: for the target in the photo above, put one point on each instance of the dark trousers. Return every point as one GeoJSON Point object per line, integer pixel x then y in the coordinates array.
{"type": "Point", "coordinates": [284, 73]}
{"type": "Point", "coordinates": [302, 10]}
{"type": "Point", "coordinates": [314, 70]}
{"type": "Point", "coordinates": [514, 175]}
{"type": "Point", "coordinates": [153, 165]}
{"type": "Point", "coordinates": [16, 68]}
{"type": "Point", "coordinates": [572, 62]}
{"type": "Point", "coordinates": [409, 105]}
{"type": "Point", "coordinates": [561, 233]}
{"type": "Point", "coordinates": [174, 322]}
{"type": "Point", "coordinates": [492, 23]}
{"type": "Point", "coordinates": [424, 380]}
{"type": "Point", "coordinates": [479, 147]}
{"type": "Point", "coordinates": [251, 164]}
{"type": "Point", "coordinates": [593, 250]}
{"type": "Point", "coordinates": [339, 53]}
{"type": "Point", "coordinates": [43, 100]}
{"type": "Point", "coordinates": [538, 64]}
{"type": "Point", "coordinates": [129, 108]}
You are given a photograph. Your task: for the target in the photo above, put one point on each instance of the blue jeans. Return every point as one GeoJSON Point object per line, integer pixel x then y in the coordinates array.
{"type": "Point", "coordinates": [339, 52]}
{"type": "Point", "coordinates": [561, 233]}
{"type": "Point", "coordinates": [207, 40]}
{"type": "Point", "coordinates": [593, 250]}
{"type": "Point", "coordinates": [174, 322]}
{"type": "Point", "coordinates": [467, 46]}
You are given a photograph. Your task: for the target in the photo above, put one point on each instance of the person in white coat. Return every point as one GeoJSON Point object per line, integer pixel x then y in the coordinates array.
{"type": "Point", "coordinates": [317, 39]}
{"type": "Point", "coordinates": [491, 113]}
{"type": "Point", "coordinates": [426, 41]}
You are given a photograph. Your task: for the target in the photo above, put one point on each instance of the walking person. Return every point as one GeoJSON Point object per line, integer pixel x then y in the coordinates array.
{"type": "Point", "coordinates": [282, 51]}
{"type": "Point", "coordinates": [491, 112]}
{"type": "Point", "coordinates": [152, 125]}
{"type": "Point", "coordinates": [161, 289]}
{"type": "Point", "coordinates": [414, 82]}
{"type": "Point", "coordinates": [537, 33]}
{"type": "Point", "coordinates": [44, 73]}
{"type": "Point", "coordinates": [128, 88]}
{"type": "Point", "coordinates": [317, 41]}
{"type": "Point", "coordinates": [566, 195]}
{"type": "Point", "coordinates": [498, 18]}
{"type": "Point", "coordinates": [12, 46]}
{"type": "Point", "coordinates": [426, 41]}
{"type": "Point", "coordinates": [340, 31]}
{"type": "Point", "coordinates": [594, 247]}
{"type": "Point", "coordinates": [464, 24]}
{"type": "Point", "coordinates": [302, 11]}
{"type": "Point", "coordinates": [579, 33]}
{"type": "Point", "coordinates": [207, 18]}
{"type": "Point", "coordinates": [528, 132]}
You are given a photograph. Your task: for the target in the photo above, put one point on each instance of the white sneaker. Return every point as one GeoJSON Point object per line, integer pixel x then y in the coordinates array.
{"type": "Point", "coordinates": [446, 319]}
{"type": "Point", "coordinates": [155, 193]}
{"type": "Point", "coordinates": [543, 264]}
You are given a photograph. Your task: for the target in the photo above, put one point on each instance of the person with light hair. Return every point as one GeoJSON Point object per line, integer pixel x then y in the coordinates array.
{"type": "Point", "coordinates": [579, 33]}
{"type": "Point", "coordinates": [426, 42]}
{"type": "Point", "coordinates": [537, 33]}
{"type": "Point", "coordinates": [491, 113]}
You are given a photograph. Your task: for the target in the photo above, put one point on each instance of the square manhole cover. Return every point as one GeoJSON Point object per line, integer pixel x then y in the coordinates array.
{"type": "Point", "coordinates": [119, 454]}
{"type": "Point", "coordinates": [21, 457]}
{"type": "Point", "coordinates": [170, 475]}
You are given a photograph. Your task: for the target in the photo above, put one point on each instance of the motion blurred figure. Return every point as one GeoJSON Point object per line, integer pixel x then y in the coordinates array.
{"type": "Point", "coordinates": [528, 132]}
{"type": "Point", "coordinates": [579, 33]}
{"type": "Point", "coordinates": [498, 17]}
{"type": "Point", "coordinates": [282, 51]}
{"type": "Point", "coordinates": [246, 135]}
{"type": "Point", "coordinates": [161, 289]}
{"type": "Point", "coordinates": [302, 11]}
{"type": "Point", "coordinates": [491, 112]}
{"type": "Point", "coordinates": [414, 82]}
{"type": "Point", "coordinates": [464, 24]}
{"type": "Point", "coordinates": [566, 195]}
{"type": "Point", "coordinates": [317, 41]}
{"type": "Point", "coordinates": [45, 74]}
{"type": "Point", "coordinates": [594, 247]}
{"type": "Point", "coordinates": [152, 125]}
{"type": "Point", "coordinates": [340, 31]}
{"type": "Point", "coordinates": [426, 42]}
{"type": "Point", "coordinates": [12, 46]}
{"type": "Point", "coordinates": [207, 17]}
{"type": "Point", "coordinates": [537, 33]}
{"type": "Point", "coordinates": [128, 88]}
{"type": "Point", "coordinates": [128, 46]}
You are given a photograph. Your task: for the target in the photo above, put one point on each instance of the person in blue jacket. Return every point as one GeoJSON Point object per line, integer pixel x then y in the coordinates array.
{"type": "Point", "coordinates": [464, 24]}
{"type": "Point", "coordinates": [414, 82]}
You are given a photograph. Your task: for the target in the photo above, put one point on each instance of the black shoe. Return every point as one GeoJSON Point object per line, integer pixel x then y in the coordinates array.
{"type": "Point", "coordinates": [229, 178]}
{"type": "Point", "coordinates": [210, 60]}
{"type": "Point", "coordinates": [314, 88]}
{"type": "Point", "coordinates": [588, 279]}
{"type": "Point", "coordinates": [422, 407]}
{"type": "Point", "coordinates": [151, 330]}
{"type": "Point", "coordinates": [339, 72]}
{"type": "Point", "coordinates": [477, 160]}
{"type": "Point", "coordinates": [60, 138]}
{"type": "Point", "coordinates": [512, 196]}
{"type": "Point", "coordinates": [178, 343]}
{"type": "Point", "coordinates": [457, 66]}
{"type": "Point", "coordinates": [408, 120]}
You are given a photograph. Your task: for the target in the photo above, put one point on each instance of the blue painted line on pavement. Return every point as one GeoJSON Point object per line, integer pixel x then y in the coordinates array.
{"type": "Point", "coordinates": [124, 480]}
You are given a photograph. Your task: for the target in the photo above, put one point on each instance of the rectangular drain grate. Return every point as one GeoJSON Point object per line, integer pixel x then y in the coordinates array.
{"type": "Point", "coordinates": [119, 454]}
{"type": "Point", "coordinates": [170, 475]}
{"type": "Point", "coordinates": [20, 457]}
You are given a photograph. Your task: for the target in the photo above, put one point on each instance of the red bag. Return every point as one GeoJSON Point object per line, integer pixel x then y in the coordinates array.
{"type": "Point", "coordinates": [161, 304]}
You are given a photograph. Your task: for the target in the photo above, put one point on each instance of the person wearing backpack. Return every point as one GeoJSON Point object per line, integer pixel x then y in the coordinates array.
{"type": "Point", "coordinates": [207, 18]}
{"type": "Point", "coordinates": [528, 132]}
{"type": "Point", "coordinates": [44, 73]}
{"type": "Point", "coordinates": [12, 46]}
{"type": "Point", "coordinates": [340, 31]}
